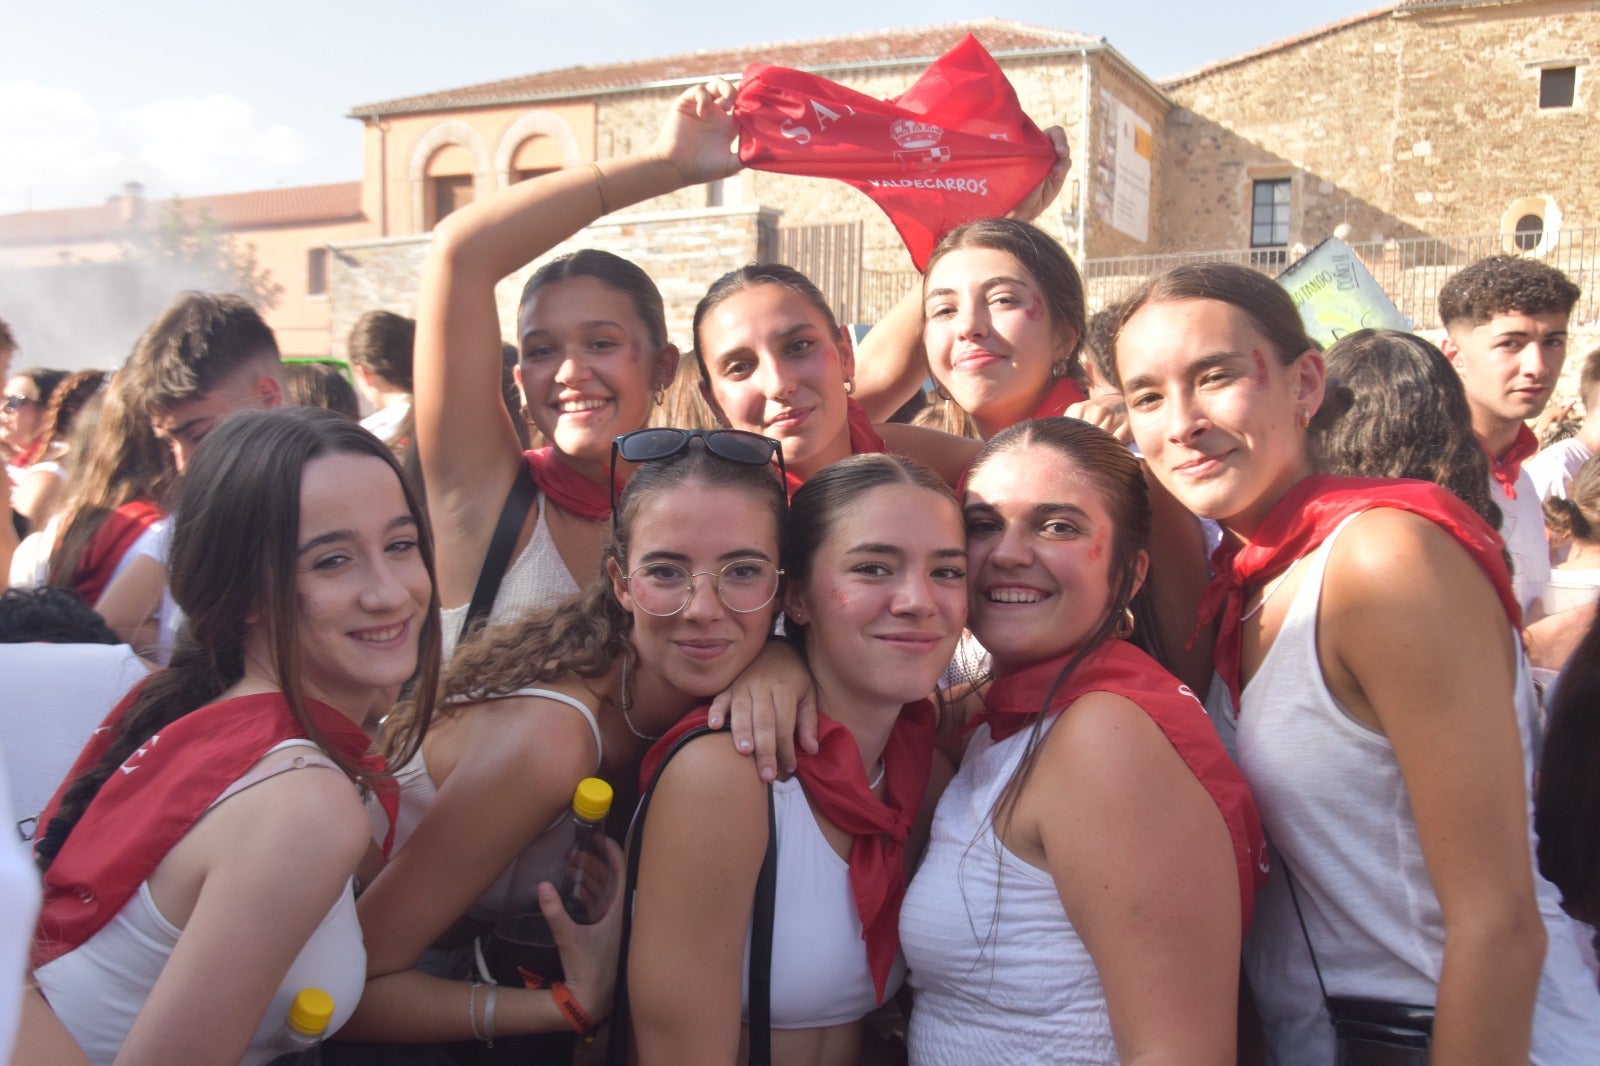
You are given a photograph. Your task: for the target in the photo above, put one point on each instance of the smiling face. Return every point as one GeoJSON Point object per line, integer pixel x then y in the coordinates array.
{"type": "Point", "coordinates": [1041, 544]}
{"type": "Point", "coordinates": [990, 337]}
{"type": "Point", "coordinates": [361, 583]}
{"type": "Point", "coordinates": [1218, 416]}
{"type": "Point", "coordinates": [702, 648]}
{"type": "Point", "coordinates": [886, 598]}
{"type": "Point", "coordinates": [1508, 366]}
{"type": "Point", "coordinates": [588, 366]}
{"type": "Point", "coordinates": [776, 367]}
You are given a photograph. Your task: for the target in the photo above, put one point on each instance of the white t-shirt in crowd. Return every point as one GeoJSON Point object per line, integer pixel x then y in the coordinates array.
{"type": "Point", "coordinates": [1553, 468]}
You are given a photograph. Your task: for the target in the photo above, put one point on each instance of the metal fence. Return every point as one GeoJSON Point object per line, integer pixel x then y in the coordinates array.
{"type": "Point", "coordinates": [1410, 270]}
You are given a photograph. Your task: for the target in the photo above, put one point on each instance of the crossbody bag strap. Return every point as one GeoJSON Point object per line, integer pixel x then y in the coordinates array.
{"type": "Point", "coordinates": [498, 558]}
{"type": "Point", "coordinates": [760, 929]}
{"type": "Point", "coordinates": [1294, 897]}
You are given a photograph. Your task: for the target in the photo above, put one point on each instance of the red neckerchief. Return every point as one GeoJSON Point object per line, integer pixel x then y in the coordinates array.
{"type": "Point", "coordinates": [156, 796]}
{"type": "Point", "coordinates": [1062, 395]}
{"type": "Point", "coordinates": [954, 147]}
{"type": "Point", "coordinates": [116, 534]}
{"type": "Point", "coordinates": [835, 781]}
{"type": "Point", "coordinates": [1508, 467]}
{"type": "Point", "coordinates": [25, 458]}
{"type": "Point", "coordinates": [1015, 700]}
{"type": "Point", "coordinates": [864, 440]}
{"type": "Point", "coordinates": [567, 488]}
{"type": "Point", "coordinates": [1302, 520]}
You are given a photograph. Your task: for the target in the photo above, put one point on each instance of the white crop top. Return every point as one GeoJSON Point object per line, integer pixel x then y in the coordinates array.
{"type": "Point", "coordinates": [1000, 973]}
{"type": "Point", "coordinates": [820, 975]}
{"type": "Point", "coordinates": [536, 579]}
{"type": "Point", "coordinates": [98, 988]}
{"type": "Point", "coordinates": [516, 889]}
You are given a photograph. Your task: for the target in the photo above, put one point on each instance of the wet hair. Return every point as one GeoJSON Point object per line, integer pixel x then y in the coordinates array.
{"type": "Point", "coordinates": [1395, 407]}
{"type": "Point", "coordinates": [750, 276]}
{"type": "Point", "coordinates": [68, 399]}
{"type": "Point", "coordinates": [1261, 299]}
{"type": "Point", "coordinates": [1504, 284]}
{"type": "Point", "coordinates": [1567, 801]}
{"type": "Point", "coordinates": [50, 615]}
{"type": "Point", "coordinates": [117, 458]}
{"type": "Point", "coordinates": [199, 341]}
{"type": "Point", "coordinates": [827, 496]}
{"type": "Point", "coordinates": [320, 384]}
{"type": "Point", "coordinates": [612, 271]}
{"type": "Point", "coordinates": [1116, 476]}
{"type": "Point", "coordinates": [585, 636]}
{"type": "Point", "coordinates": [235, 545]}
{"type": "Point", "coordinates": [1578, 514]}
{"type": "Point", "coordinates": [382, 343]}
{"type": "Point", "coordinates": [1056, 277]}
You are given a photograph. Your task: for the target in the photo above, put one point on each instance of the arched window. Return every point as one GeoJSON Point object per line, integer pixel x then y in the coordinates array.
{"type": "Point", "coordinates": [534, 156]}
{"type": "Point", "coordinates": [1530, 225]}
{"type": "Point", "coordinates": [1529, 231]}
{"type": "Point", "coordinates": [449, 182]}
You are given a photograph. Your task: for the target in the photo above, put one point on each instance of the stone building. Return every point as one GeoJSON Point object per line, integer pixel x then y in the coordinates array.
{"type": "Point", "coordinates": [1426, 134]}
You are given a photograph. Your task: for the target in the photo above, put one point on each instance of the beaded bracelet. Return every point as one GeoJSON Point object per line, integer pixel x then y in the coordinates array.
{"type": "Point", "coordinates": [472, 1007]}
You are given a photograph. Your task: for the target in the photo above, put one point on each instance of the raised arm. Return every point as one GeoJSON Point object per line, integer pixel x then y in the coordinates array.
{"type": "Point", "coordinates": [465, 440]}
{"type": "Point", "coordinates": [1401, 604]}
{"type": "Point", "coordinates": [1142, 861]}
{"type": "Point", "coordinates": [700, 854]}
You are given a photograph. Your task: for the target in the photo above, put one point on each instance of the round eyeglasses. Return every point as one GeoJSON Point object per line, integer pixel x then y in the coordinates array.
{"type": "Point", "coordinates": [664, 589]}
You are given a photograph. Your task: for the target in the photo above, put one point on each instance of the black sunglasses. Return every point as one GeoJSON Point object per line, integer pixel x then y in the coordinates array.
{"type": "Point", "coordinates": [652, 445]}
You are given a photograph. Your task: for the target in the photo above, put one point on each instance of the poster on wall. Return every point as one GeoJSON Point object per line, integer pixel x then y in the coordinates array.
{"type": "Point", "coordinates": [1122, 168]}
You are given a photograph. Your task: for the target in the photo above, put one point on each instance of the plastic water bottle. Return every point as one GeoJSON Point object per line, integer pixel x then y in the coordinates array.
{"type": "Point", "coordinates": [309, 1016]}
{"type": "Point", "coordinates": [586, 883]}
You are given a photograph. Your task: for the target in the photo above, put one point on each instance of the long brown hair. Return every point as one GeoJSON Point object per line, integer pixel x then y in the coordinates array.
{"type": "Point", "coordinates": [585, 636]}
{"type": "Point", "coordinates": [122, 460]}
{"type": "Point", "coordinates": [234, 555]}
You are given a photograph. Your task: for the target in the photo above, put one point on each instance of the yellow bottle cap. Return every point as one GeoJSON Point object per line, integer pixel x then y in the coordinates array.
{"type": "Point", "coordinates": [592, 800]}
{"type": "Point", "coordinates": [311, 1012]}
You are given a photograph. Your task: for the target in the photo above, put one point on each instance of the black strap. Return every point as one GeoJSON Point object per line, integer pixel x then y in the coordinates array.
{"type": "Point", "coordinates": [760, 987]}
{"type": "Point", "coordinates": [498, 558]}
{"type": "Point", "coordinates": [1295, 898]}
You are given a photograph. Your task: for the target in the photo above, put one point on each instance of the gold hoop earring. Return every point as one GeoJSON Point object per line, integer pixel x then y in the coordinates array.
{"type": "Point", "coordinates": [660, 397]}
{"type": "Point", "coordinates": [850, 386]}
{"type": "Point", "coordinates": [1124, 628]}
{"type": "Point", "coordinates": [1305, 417]}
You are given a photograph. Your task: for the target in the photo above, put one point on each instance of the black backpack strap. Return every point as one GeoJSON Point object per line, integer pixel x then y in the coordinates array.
{"type": "Point", "coordinates": [498, 558]}
{"type": "Point", "coordinates": [760, 927]}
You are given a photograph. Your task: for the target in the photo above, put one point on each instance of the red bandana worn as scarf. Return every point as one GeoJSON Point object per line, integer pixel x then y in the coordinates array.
{"type": "Point", "coordinates": [1508, 467]}
{"type": "Point", "coordinates": [1302, 520]}
{"type": "Point", "coordinates": [149, 803]}
{"type": "Point", "coordinates": [835, 781]}
{"type": "Point", "coordinates": [567, 488]}
{"type": "Point", "coordinates": [954, 147]}
{"type": "Point", "coordinates": [111, 541]}
{"type": "Point", "coordinates": [1062, 395]}
{"type": "Point", "coordinates": [1015, 700]}
{"type": "Point", "coordinates": [864, 440]}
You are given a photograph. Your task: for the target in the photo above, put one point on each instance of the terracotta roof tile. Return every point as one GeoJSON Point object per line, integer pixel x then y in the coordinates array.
{"type": "Point", "coordinates": [232, 211]}
{"type": "Point", "coordinates": [909, 46]}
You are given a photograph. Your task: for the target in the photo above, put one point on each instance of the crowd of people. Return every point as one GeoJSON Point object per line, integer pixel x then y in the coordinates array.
{"type": "Point", "coordinates": [1172, 691]}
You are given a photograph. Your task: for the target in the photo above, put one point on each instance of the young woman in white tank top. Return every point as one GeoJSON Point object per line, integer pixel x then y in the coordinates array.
{"type": "Point", "coordinates": [530, 709]}
{"type": "Point", "coordinates": [1409, 665]}
{"type": "Point", "coordinates": [160, 950]}
{"type": "Point", "coordinates": [876, 596]}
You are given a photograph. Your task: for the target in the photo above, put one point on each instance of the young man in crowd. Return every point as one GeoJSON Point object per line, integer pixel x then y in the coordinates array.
{"type": "Point", "coordinates": [1505, 320]}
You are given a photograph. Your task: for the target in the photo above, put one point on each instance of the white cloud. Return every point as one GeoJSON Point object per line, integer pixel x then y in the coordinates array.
{"type": "Point", "coordinates": [60, 150]}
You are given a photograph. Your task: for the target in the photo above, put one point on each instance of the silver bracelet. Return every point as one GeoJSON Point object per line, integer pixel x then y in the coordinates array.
{"type": "Point", "coordinates": [472, 1007]}
{"type": "Point", "coordinates": [488, 1014]}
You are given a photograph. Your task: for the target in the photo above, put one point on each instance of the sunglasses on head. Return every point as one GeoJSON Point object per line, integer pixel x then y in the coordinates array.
{"type": "Point", "coordinates": [654, 444]}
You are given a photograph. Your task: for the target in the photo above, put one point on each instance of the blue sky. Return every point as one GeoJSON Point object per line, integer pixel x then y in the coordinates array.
{"type": "Point", "coordinates": [202, 97]}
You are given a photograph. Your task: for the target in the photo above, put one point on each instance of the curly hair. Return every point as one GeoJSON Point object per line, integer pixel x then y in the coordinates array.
{"type": "Point", "coordinates": [1502, 284]}
{"type": "Point", "coordinates": [50, 615]}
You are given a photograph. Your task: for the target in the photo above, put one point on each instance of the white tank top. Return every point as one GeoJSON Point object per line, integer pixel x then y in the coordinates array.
{"type": "Point", "coordinates": [515, 891]}
{"type": "Point", "coordinates": [1334, 805]}
{"type": "Point", "coordinates": [1001, 975]}
{"type": "Point", "coordinates": [820, 975]}
{"type": "Point", "coordinates": [98, 988]}
{"type": "Point", "coordinates": [536, 579]}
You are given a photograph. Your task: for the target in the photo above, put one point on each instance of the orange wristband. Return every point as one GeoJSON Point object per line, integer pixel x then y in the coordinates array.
{"type": "Point", "coordinates": [573, 1011]}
